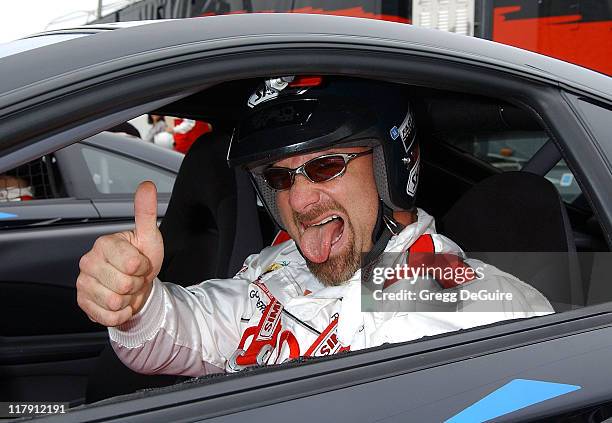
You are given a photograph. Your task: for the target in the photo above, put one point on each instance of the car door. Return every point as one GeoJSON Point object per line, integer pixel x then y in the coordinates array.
{"type": "Point", "coordinates": [48, 351]}
{"type": "Point", "coordinates": [46, 344]}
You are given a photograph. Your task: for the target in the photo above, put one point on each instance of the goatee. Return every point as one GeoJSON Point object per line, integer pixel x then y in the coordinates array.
{"type": "Point", "coordinates": [336, 270]}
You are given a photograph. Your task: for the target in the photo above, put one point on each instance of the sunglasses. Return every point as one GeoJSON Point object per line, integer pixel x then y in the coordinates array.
{"type": "Point", "coordinates": [320, 169]}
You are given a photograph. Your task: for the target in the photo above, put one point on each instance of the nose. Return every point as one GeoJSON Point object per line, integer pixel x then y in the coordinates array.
{"type": "Point", "coordinates": [303, 194]}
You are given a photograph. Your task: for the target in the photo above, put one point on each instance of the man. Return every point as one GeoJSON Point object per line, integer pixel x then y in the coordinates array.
{"type": "Point", "coordinates": [336, 162]}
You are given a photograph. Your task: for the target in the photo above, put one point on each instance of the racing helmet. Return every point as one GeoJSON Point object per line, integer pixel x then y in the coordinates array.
{"type": "Point", "coordinates": [293, 115]}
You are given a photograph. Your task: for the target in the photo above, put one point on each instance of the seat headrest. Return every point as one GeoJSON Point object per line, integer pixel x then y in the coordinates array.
{"type": "Point", "coordinates": [511, 211]}
{"type": "Point", "coordinates": [200, 222]}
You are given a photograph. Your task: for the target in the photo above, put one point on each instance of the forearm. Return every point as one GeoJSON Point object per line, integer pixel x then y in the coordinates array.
{"type": "Point", "coordinates": [164, 337]}
{"type": "Point", "coordinates": [161, 355]}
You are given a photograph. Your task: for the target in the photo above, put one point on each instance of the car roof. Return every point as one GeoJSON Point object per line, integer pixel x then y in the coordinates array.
{"type": "Point", "coordinates": [117, 41]}
{"type": "Point", "coordinates": [46, 38]}
{"type": "Point", "coordinates": [94, 28]}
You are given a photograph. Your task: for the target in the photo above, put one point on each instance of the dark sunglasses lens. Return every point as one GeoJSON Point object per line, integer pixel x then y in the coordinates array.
{"type": "Point", "coordinates": [277, 178]}
{"type": "Point", "coordinates": [325, 168]}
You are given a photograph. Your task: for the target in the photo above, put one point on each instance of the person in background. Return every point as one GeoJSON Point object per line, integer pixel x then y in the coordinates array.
{"type": "Point", "coordinates": [158, 126]}
{"type": "Point", "coordinates": [125, 128]}
{"type": "Point", "coordinates": [13, 188]}
{"type": "Point", "coordinates": [186, 132]}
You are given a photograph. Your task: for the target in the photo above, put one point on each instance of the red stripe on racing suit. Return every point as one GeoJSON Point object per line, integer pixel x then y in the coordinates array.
{"type": "Point", "coordinates": [268, 336]}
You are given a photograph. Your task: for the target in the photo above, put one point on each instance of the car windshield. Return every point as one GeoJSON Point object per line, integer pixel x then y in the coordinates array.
{"type": "Point", "coordinates": [25, 44]}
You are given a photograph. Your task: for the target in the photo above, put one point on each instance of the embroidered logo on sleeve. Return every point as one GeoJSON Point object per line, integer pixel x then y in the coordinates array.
{"type": "Point", "coordinates": [274, 266]}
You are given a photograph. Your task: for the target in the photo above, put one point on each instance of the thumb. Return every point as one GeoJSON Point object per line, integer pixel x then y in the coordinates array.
{"type": "Point", "coordinates": [147, 238]}
{"type": "Point", "coordinates": [145, 211]}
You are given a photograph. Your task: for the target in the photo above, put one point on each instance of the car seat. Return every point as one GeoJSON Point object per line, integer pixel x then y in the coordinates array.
{"type": "Point", "coordinates": [210, 227]}
{"type": "Point", "coordinates": [206, 235]}
{"type": "Point", "coordinates": [517, 222]}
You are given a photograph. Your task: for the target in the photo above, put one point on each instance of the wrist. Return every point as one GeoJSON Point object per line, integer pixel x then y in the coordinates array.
{"type": "Point", "coordinates": [141, 299]}
{"type": "Point", "coordinates": [144, 324]}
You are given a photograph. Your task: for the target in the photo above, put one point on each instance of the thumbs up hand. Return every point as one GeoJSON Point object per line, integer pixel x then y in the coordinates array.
{"type": "Point", "coordinates": [117, 273]}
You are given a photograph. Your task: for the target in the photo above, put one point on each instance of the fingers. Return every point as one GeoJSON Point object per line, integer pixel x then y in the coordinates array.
{"type": "Point", "coordinates": [119, 253]}
{"type": "Point", "coordinates": [113, 280]}
{"type": "Point", "coordinates": [101, 315]}
{"type": "Point", "coordinates": [145, 211]}
{"type": "Point", "coordinates": [110, 277]}
{"type": "Point", "coordinates": [99, 294]}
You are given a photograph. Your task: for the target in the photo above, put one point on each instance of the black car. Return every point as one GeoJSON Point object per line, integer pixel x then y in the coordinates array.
{"type": "Point", "coordinates": [466, 92]}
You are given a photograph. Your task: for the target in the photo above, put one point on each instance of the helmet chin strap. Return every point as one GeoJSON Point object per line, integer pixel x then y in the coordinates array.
{"type": "Point", "coordinates": [386, 227]}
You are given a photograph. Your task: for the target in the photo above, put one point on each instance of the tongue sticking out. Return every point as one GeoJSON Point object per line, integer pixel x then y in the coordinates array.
{"type": "Point", "coordinates": [317, 241]}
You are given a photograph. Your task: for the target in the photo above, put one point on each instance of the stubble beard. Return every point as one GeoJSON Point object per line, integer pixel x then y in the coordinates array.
{"type": "Point", "coordinates": [336, 270]}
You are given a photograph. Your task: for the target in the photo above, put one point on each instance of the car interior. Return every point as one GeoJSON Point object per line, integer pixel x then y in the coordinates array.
{"type": "Point", "coordinates": [41, 176]}
{"type": "Point", "coordinates": [512, 217]}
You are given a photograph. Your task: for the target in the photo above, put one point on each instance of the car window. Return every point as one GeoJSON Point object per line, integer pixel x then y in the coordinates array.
{"type": "Point", "coordinates": [599, 120]}
{"type": "Point", "coordinates": [35, 180]}
{"type": "Point", "coordinates": [511, 150]}
{"type": "Point", "coordinates": [115, 174]}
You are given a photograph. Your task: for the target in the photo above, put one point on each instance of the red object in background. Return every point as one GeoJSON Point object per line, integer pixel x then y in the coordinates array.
{"type": "Point", "coordinates": [306, 81]}
{"type": "Point", "coordinates": [182, 142]}
{"type": "Point", "coordinates": [356, 12]}
{"type": "Point", "coordinates": [569, 37]}
{"type": "Point", "coordinates": [281, 237]}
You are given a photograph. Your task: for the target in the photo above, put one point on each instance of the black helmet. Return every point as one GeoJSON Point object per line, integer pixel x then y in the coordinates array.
{"type": "Point", "coordinates": [291, 115]}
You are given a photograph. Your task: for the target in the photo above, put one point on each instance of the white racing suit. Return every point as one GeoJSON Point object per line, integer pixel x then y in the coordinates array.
{"type": "Point", "coordinates": [274, 309]}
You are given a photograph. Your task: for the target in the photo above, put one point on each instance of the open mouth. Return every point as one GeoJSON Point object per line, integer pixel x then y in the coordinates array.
{"type": "Point", "coordinates": [331, 219]}
{"type": "Point", "coordinates": [320, 237]}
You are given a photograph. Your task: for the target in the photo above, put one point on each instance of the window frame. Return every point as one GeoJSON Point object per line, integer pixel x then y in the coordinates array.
{"type": "Point", "coordinates": [97, 195]}
{"type": "Point", "coordinates": [74, 166]}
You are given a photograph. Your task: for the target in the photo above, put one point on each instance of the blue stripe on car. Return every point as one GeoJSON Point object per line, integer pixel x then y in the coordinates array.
{"type": "Point", "coordinates": [513, 396]}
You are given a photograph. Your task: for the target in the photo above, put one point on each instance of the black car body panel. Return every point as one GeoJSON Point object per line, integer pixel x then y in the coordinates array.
{"type": "Point", "coordinates": [217, 31]}
{"type": "Point", "coordinates": [423, 381]}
